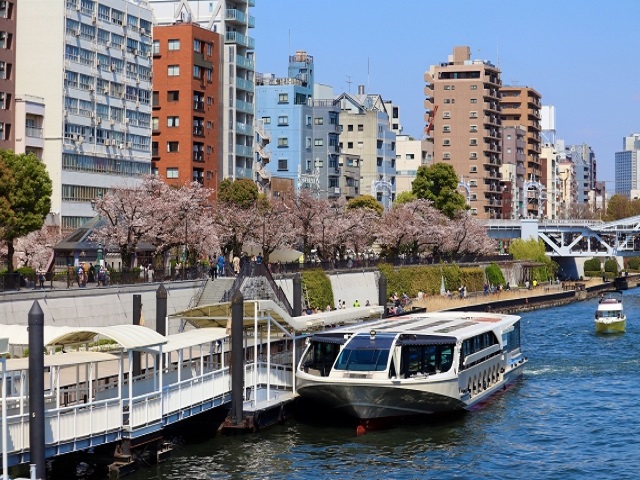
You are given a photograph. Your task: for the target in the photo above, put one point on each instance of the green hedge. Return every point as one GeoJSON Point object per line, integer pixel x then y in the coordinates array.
{"type": "Point", "coordinates": [428, 279]}
{"type": "Point", "coordinates": [592, 273]}
{"type": "Point", "coordinates": [317, 288]}
{"type": "Point", "coordinates": [633, 263]}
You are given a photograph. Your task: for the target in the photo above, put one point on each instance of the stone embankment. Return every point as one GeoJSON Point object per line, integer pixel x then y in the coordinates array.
{"type": "Point", "coordinates": [522, 300]}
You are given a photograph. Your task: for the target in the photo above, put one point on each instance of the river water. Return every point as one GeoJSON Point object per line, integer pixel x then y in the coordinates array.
{"type": "Point", "coordinates": [575, 414]}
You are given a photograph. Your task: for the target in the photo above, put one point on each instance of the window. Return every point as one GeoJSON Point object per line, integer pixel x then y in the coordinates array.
{"type": "Point", "coordinates": [473, 169]}
{"type": "Point", "coordinates": [446, 141]}
{"type": "Point", "coordinates": [508, 150]}
{"type": "Point", "coordinates": [474, 211]}
{"type": "Point", "coordinates": [266, 120]}
{"type": "Point", "coordinates": [283, 98]}
{"type": "Point", "coordinates": [318, 142]}
{"type": "Point", "coordinates": [447, 87]}
{"type": "Point", "coordinates": [172, 146]}
{"type": "Point", "coordinates": [447, 100]}
{"type": "Point", "coordinates": [410, 156]}
{"type": "Point", "coordinates": [349, 144]}
{"type": "Point", "coordinates": [174, 70]}
{"type": "Point", "coordinates": [283, 142]}
{"type": "Point", "coordinates": [473, 142]}
{"type": "Point", "coordinates": [473, 183]}
{"type": "Point", "coordinates": [173, 121]}
{"type": "Point", "coordinates": [446, 128]}
{"type": "Point", "coordinates": [174, 44]}
{"type": "Point", "coordinates": [282, 164]}
{"type": "Point", "coordinates": [446, 114]}
{"type": "Point", "coordinates": [474, 100]}
{"type": "Point", "coordinates": [474, 87]}
{"type": "Point", "coordinates": [283, 120]}
{"type": "Point", "coordinates": [446, 156]}
{"type": "Point", "coordinates": [197, 46]}
{"type": "Point", "coordinates": [473, 155]}
{"type": "Point", "coordinates": [360, 127]}
{"type": "Point", "coordinates": [473, 128]}
{"type": "Point", "coordinates": [473, 197]}
{"type": "Point", "coordinates": [318, 121]}
{"type": "Point", "coordinates": [155, 123]}
{"type": "Point", "coordinates": [156, 47]}
{"type": "Point", "coordinates": [172, 172]}
{"type": "Point", "coordinates": [197, 71]}
{"type": "Point", "coordinates": [473, 114]}
{"type": "Point", "coordinates": [349, 128]}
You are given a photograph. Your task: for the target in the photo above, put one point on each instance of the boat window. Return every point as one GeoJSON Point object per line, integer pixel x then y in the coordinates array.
{"type": "Point", "coordinates": [512, 339]}
{"type": "Point", "coordinates": [425, 359]}
{"type": "Point", "coordinates": [364, 353]}
{"type": "Point", "coordinates": [320, 356]}
{"type": "Point", "coordinates": [480, 342]}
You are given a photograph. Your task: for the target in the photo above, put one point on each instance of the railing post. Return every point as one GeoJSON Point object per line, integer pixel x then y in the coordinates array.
{"type": "Point", "coordinates": [237, 355]}
{"type": "Point", "coordinates": [382, 294]}
{"type": "Point", "coordinates": [297, 295]}
{"type": "Point", "coordinates": [137, 315]}
{"type": "Point", "coordinates": [36, 390]}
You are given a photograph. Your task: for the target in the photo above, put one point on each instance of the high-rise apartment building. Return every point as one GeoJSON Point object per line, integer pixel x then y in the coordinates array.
{"type": "Point", "coordinates": [584, 159]}
{"type": "Point", "coordinates": [8, 17]}
{"type": "Point", "coordinates": [303, 132]}
{"type": "Point", "coordinates": [520, 107]}
{"type": "Point", "coordinates": [232, 20]}
{"type": "Point", "coordinates": [186, 104]}
{"type": "Point", "coordinates": [90, 62]}
{"type": "Point", "coordinates": [463, 108]}
{"type": "Point", "coordinates": [513, 171]}
{"type": "Point", "coordinates": [627, 172]}
{"type": "Point", "coordinates": [365, 126]}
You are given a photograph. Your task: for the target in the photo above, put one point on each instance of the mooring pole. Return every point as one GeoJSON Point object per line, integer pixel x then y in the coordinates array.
{"type": "Point", "coordinates": [297, 295]}
{"type": "Point", "coordinates": [161, 310]}
{"type": "Point", "coordinates": [137, 315]}
{"type": "Point", "coordinates": [382, 294]}
{"type": "Point", "coordinates": [36, 389]}
{"type": "Point", "coordinates": [237, 358]}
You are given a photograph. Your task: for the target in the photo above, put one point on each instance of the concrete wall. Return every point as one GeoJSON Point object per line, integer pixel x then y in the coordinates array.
{"type": "Point", "coordinates": [349, 287]}
{"type": "Point", "coordinates": [95, 306]}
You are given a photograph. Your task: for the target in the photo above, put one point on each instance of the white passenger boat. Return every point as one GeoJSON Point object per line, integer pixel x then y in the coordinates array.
{"type": "Point", "coordinates": [610, 316]}
{"type": "Point", "coordinates": [415, 364]}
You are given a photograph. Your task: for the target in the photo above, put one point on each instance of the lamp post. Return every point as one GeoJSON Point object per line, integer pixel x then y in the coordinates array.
{"type": "Point", "coordinates": [4, 343]}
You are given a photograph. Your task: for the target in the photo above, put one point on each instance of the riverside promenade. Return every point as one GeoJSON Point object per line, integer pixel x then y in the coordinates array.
{"type": "Point", "coordinates": [521, 299]}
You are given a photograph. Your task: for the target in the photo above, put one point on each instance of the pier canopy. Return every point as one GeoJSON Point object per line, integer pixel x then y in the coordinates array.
{"type": "Point", "coordinates": [62, 360]}
{"type": "Point", "coordinates": [219, 315]}
{"type": "Point", "coordinates": [130, 337]}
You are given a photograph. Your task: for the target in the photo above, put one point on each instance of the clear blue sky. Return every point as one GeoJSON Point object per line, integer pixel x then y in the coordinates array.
{"type": "Point", "coordinates": [582, 56]}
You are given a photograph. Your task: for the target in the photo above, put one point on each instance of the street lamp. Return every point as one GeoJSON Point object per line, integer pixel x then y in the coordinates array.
{"type": "Point", "coordinates": [4, 344]}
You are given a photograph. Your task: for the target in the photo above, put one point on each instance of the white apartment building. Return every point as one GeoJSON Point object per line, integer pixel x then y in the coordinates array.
{"type": "Point", "coordinates": [90, 62]}
{"type": "Point", "coordinates": [626, 167]}
{"type": "Point", "coordinates": [411, 153]}
{"type": "Point", "coordinates": [233, 20]}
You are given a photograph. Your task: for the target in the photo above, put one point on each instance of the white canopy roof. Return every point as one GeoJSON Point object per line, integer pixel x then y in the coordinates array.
{"type": "Point", "coordinates": [130, 337]}
{"type": "Point", "coordinates": [61, 360]}
{"type": "Point", "coordinates": [192, 338]}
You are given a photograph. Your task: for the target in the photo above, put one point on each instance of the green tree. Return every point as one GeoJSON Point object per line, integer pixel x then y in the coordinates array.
{"type": "Point", "coordinates": [366, 201]}
{"type": "Point", "coordinates": [620, 206]}
{"type": "Point", "coordinates": [25, 197]}
{"type": "Point", "coordinates": [439, 183]}
{"type": "Point", "coordinates": [242, 192]}
{"type": "Point", "coordinates": [534, 251]}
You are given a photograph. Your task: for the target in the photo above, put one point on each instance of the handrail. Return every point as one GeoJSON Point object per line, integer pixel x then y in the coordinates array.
{"type": "Point", "coordinates": [261, 269]}
{"type": "Point", "coordinates": [237, 283]}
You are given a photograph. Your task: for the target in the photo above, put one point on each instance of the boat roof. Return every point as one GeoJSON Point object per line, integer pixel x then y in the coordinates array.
{"type": "Point", "coordinates": [454, 325]}
{"type": "Point", "coordinates": [61, 360]}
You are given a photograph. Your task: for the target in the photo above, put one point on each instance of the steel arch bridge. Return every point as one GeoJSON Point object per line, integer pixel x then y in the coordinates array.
{"type": "Point", "coordinates": [574, 238]}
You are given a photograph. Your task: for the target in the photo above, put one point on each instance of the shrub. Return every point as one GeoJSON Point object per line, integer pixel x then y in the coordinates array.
{"type": "Point", "coordinates": [318, 288]}
{"type": "Point", "coordinates": [494, 274]}
{"type": "Point", "coordinates": [633, 263]}
{"type": "Point", "coordinates": [592, 265]}
{"type": "Point", "coordinates": [611, 266]}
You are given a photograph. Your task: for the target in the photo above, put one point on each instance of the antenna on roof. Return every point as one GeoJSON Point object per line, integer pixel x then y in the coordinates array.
{"type": "Point", "coordinates": [349, 82]}
{"type": "Point", "coordinates": [368, 76]}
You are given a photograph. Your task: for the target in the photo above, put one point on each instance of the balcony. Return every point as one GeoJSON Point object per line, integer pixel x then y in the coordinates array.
{"type": "Point", "coordinates": [33, 132]}
{"type": "Point", "coordinates": [243, 84]}
{"type": "Point", "coordinates": [244, 173]}
{"type": "Point", "coordinates": [198, 156]}
{"type": "Point", "coordinates": [198, 131]}
{"type": "Point", "coordinates": [239, 39]}
{"type": "Point", "coordinates": [244, 151]}
{"type": "Point", "coordinates": [244, 62]}
{"type": "Point", "coordinates": [243, 106]}
{"type": "Point", "coordinates": [233, 15]}
{"type": "Point", "coordinates": [244, 128]}
{"type": "Point", "coordinates": [198, 105]}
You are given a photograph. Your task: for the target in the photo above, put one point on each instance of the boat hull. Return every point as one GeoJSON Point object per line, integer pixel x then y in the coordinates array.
{"type": "Point", "coordinates": [367, 401]}
{"type": "Point", "coordinates": [618, 326]}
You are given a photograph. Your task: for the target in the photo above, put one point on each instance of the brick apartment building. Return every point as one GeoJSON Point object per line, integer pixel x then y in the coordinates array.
{"type": "Point", "coordinates": [187, 110]}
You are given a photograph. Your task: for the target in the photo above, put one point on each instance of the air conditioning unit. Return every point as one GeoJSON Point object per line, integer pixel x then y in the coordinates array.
{"type": "Point", "coordinates": [112, 121]}
{"type": "Point", "coordinates": [78, 7]}
{"type": "Point", "coordinates": [122, 47]}
{"type": "Point", "coordinates": [66, 113]}
{"type": "Point", "coordinates": [92, 115]}
{"type": "Point", "coordinates": [129, 144]}
{"type": "Point", "coordinates": [80, 139]}
{"type": "Point", "coordinates": [77, 33]}
{"type": "Point", "coordinates": [148, 54]}
{"type": "Point", "coordinates": [121, 146]}
{"type": "Point", "coordinates": [137, 103]}
{"type": "Point", "coordinates": [112, 68]}
{"type": "Point", "coordinates": [135, 51]}
{"type": "Point", "coordinates": [138, 79]}
{"type": "Point", "coordinates": [106, 90]}
{"type": "Point", "coordinates": [143, 31]}
{"type": "Point", "coordinates": [94, 19]}
{"type": "Point", "coordinates": [126, 121]}
{"type": "Point", "coordinates": [114, 142]}
{"type": "Point", "coordinates": [99, 120]}
{"type": "Point", "coordinates": [122, 94]}
{"type": "Point", "coordinates": [91, 88]}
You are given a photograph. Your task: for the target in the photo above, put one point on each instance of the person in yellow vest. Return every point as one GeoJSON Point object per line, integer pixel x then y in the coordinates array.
{"type": "Point", "coordinates": [356, 303]}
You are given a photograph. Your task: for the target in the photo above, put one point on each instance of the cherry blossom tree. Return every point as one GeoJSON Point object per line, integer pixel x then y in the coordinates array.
{"type": "Point", "coordinates": [131, 213]}
{"type": "Point", "coordinates": [412, 228]}
{"type": "Point", "coordinates": [305, 219]}
{"type": "Point", "coordinates": [35, 250]}
{"type": "Point", "coordinates": [272, 221]}
{"type": "Point", "coordinates": [466, 235]}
